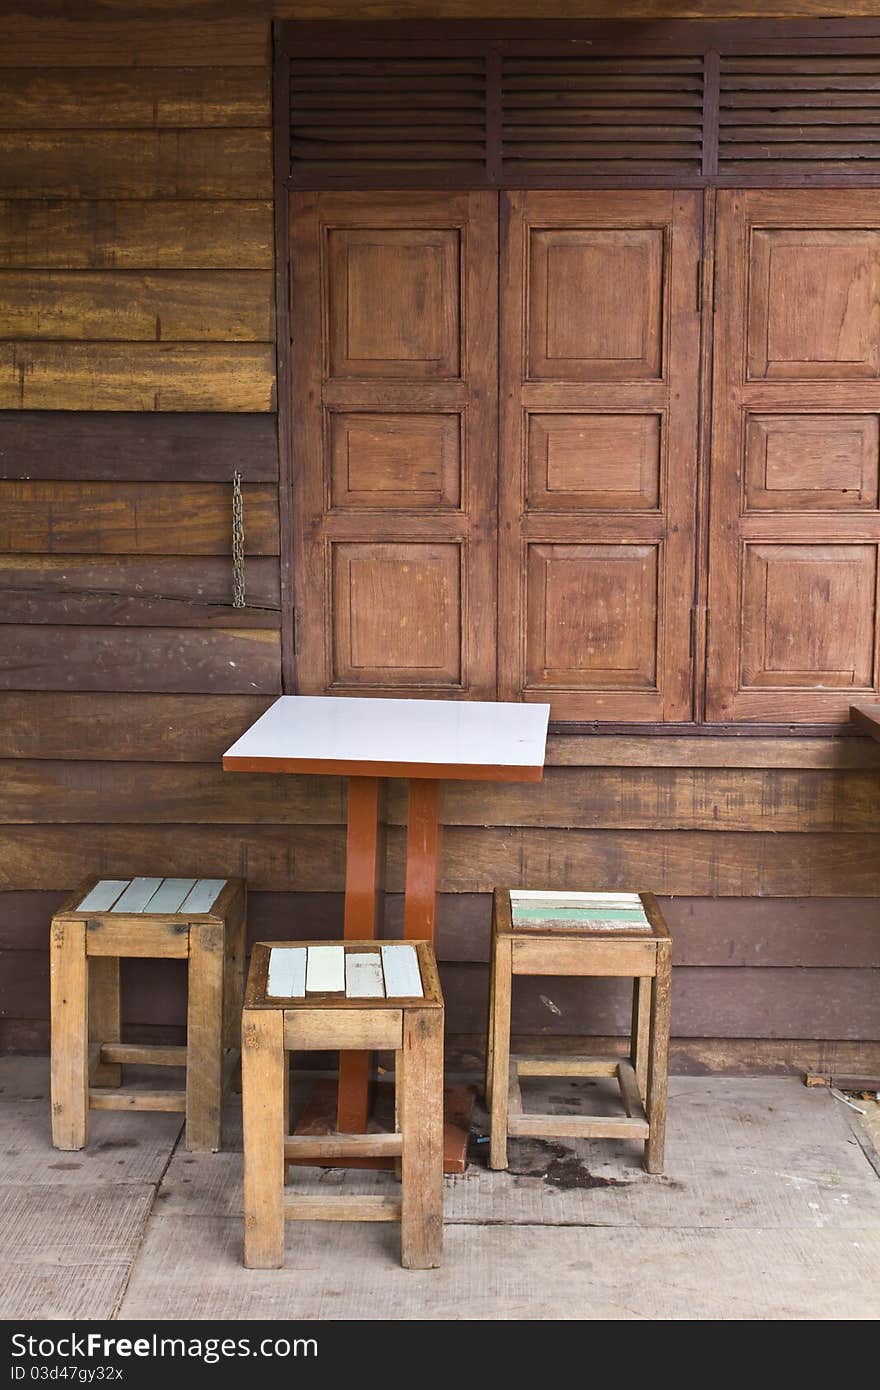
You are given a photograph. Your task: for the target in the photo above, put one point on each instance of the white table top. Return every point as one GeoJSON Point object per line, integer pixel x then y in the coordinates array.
{"type": "Point", "coordinates": [395, 738]}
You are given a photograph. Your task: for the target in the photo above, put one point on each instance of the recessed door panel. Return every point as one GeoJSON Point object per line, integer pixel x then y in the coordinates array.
{"type": "Point", "coordinates": [795, 523]}
{"type": "Point", "coordinates": [599, 367]}
{"type": "Point", "coordinates": [393, 347]}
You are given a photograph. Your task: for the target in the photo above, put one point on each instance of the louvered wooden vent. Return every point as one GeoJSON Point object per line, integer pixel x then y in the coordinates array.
{"type": "Point", "coordinates": [799, 115]}
{"type": "Point", "coordinates": [588, 116]}
{"type": "Point", "coordinates": [388, 118]}
{"type": "Point", "coordinates": [482, 106]}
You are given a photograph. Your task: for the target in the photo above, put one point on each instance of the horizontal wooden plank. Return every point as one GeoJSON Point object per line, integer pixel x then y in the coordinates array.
{"type": "Point", "coordinates": [120, 447]}
{"type": "Point", "coordinates": [698, 863]}
{"type": "Point", "coordinates": [137, 376]}
{"type": "Point", "coordinates": [134, 518]}
{"type": "Point", "coordinates": [138, 727]}
{"type": "Point", "coordinates": [797, 802]}
{"type": "Point", "coordinates": [706, 1003]}
{"type": "Point", "coordinates": [674, 798]}
{"type": "Point", "coordinates": [722, 932]}
{"type": "Point", "coordinates": [129, 1054]}
{"type": "Point", "coordinates": [132, 1099]}
{"type": "Point", "coordinates": [114, 610]}
{"type": "Point", "coordinates": [152, 728]}
{"type": "Point", "coordinates": [464, 1051]}
{"type": "Point", "coordinates": [28, 40]}
{"type": "Point", "coordinates": [219, 306]}
{"type": "Point", "coordinates": [136, 164]}
{"type": "Point", "coordinates": [740, 750]}
{"type": "Point", "coordinates": [303, 1147]}
{"type": "Point", "coordinates": [59, 234]}
{"type": "Point", "coordinates": [694, 1056]}
{"type": "Point", "coordinates": [126, 98]}
{"type": "Point", "coordinates": [43, 657]}
{"type": "Point", "coordinates": [576, 1127]}
{"type": "Point", "coordinates": [339, 1208]}
{"type": "Point", "coordinates": [205, 580]}
{"type": "Point", "coordinates": [311, 859]}
{"type": "Point", "coordinates": [496, 9]}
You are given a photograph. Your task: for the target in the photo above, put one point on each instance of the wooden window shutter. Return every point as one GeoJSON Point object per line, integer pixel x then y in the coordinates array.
{"type": "Point", "coordinates": [389, 119]}
{"type": "Point", "coordinates": [810, 114]}
{"type": "Point", "coordinates": [565, 117]}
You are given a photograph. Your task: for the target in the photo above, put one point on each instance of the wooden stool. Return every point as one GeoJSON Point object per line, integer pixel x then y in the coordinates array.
{"type": "Point", "coordinates": [311, 996]}
{"type": "Point", "coordinates": [199, 920]}
{"type": "Point", "coordinates": [538, 933]}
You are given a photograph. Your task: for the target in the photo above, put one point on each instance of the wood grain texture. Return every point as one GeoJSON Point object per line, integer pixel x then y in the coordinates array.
{"type": "Point", "coordinates": [113, 610]}
{"type": "Point", "coordinates": [155, 728]}
{"type": "Point", "coordinates": [309, 859]}
{"type": "Point", "coordinates": [30, 40]}
{"type": "Point", "coordinates": [725, 933]}
{"type": "Point", "coordinates": [598, 290]}
{"type": "Point", "coordinates": [45, 657]}
{"type": "Point", "coordinates": [137, 376]}
{"type": "Point", "coordinates": [394, 314]}
{"type": "Point", "coordinates": [119, 234]}
{"type": "Point", "coordinates": [561, 9]}
{"type": "Point", "coordinates": [420, 1107]}
{"type": "Point", "coordinates": [204, 1036]}
{"type": "Point", "coordinates": [804, 595]}
{"type": "Point", "coordinates": [818, 1004]}
{"type": "Point", "coordinates": [264, 1082]}
{"type": "Point", "coordinates": [681, 799]}
{"type": "Point", "coordinates": [134, 518]}
{"type": "Point", "coordinates": [163, 581]}
{"type": "Point", "coordinates": [220, 306]}
{"type": "Point", "coordinates": [740, 751]}
{"type": "Point", "coordinates": [91, 97]}
{"type": "Point", "coordinates": [795, 802]}
{"type": "Point", "coordinates": [191, 728]}
{"type": "Point", "coordinates": [219, 163]}
{"type": "Point", "coordinates": [105, 1020]}
{"type": "Point", "coordinates": [119, 447]}
{"type": "Point", "coordinates": [69, 990]}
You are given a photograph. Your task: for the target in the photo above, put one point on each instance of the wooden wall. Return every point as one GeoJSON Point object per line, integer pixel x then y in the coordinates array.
{"type": "Point", "coordinates": [136, 372]}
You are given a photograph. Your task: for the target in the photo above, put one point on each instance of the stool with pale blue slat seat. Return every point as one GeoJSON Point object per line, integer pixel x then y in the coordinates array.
{"type": "Point", "coordinates": [200, 920]}
{"type": "Point", "coordinates": [310, 996]}
{"type": "Point", "coordinates": [602, 934]}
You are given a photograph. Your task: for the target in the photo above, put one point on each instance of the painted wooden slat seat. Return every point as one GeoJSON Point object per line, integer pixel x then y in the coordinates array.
{"type": "Point", "coordinates": [351, 995]}
{"type": "Point", "coordinates": [200, 920]}
{"type": "Point", "coordinates": [539, 932]}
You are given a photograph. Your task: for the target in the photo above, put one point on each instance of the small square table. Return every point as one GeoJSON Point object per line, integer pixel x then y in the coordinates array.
{"type": "Point", "coordinates": [366, 740]}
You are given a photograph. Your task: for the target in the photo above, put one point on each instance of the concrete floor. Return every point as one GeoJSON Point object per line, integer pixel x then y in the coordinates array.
{"type": "Point", "coordinates": [769, 1209]}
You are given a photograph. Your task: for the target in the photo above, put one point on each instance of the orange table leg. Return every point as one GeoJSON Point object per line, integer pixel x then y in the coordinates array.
{"type": "Point", "coordinates": [422, 852]}
{"type": "Point", "coordinates": [363, 878]}
{"type": "Point", "coordinates": [419, 924]}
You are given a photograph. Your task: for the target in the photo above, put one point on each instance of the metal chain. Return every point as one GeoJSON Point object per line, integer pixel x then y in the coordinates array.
{"type": "Point", "coordinates": [238, 599]}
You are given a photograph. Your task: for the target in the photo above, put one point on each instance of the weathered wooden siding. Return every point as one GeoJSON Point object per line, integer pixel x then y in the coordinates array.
{"type": "Point", "coordinates": [136, 372]}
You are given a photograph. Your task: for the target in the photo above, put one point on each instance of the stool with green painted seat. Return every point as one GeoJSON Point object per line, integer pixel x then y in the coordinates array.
{"type": "Point", "coordinates": [201, 921]}
{"type": "Point", "coordinates": [598, 934]}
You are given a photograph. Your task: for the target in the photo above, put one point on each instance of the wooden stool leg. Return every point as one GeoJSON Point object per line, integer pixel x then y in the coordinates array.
{"type": "Point", "coordinates": [500, 1030]}
{"type": "Point", "coordinates": [364, 867]}
{"type": "Point", "coordinates": [490, 1032]}
{"type": "Point", "coordinates": [233, 986]}
{"type": "Point", "coordinates": [420, 1082]}
{"type": "Point", "coordinates": [69, 988]}
{"type": "Point", "coordinates": [105, 1020]}
{"type": "Point", "coordinates": [263, 1091]}
{"type": "Point", "coordinates": [640, 1036]}
{"type": "Point", "coordinates": [658, 1066]}
{"type": "Point", "coordinates": [204, 1037]}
